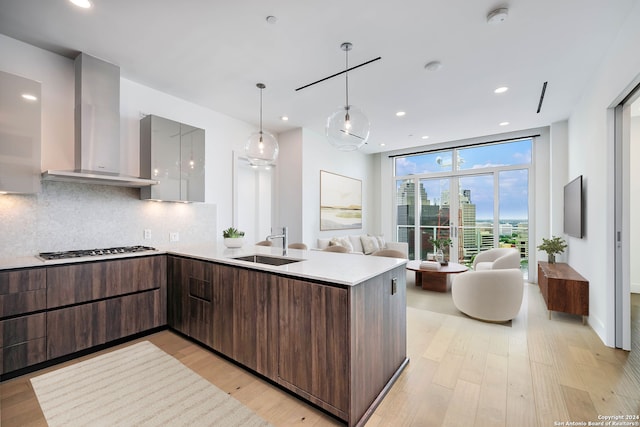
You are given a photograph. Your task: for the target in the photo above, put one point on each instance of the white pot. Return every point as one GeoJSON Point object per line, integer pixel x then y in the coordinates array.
{"type": "Point", "coordinates": [233, 242]}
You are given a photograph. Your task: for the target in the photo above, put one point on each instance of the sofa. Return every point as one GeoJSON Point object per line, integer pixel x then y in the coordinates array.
{"type": "Point", "coordinates": [363, 244]}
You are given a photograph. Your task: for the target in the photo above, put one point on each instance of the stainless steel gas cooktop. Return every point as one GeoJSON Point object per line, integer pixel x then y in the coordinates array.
{"type": "Point", "coordinates": [47, 256]}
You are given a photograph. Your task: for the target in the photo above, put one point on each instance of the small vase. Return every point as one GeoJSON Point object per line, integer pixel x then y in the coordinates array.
{"type": "Point", "coordinates": [552, 258]}
{"type": "Point", "coordinates": [439, 256]}
{"type": "Point", "coordinates": [233, 242]}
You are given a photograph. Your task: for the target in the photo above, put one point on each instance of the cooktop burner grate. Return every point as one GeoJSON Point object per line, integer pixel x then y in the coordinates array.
{"type": "Point", "coordinates": [93, 252]}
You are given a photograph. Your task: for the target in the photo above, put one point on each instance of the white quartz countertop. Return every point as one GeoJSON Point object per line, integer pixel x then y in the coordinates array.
{"type": "Point", "coordinates": [344, 269]}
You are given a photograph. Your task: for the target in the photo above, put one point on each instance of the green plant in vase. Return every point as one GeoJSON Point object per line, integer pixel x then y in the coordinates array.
{"type": "Point", "coordinates": [233, 238]}
{"type": "Point", "coordinates": [438, 246]}
{"type": "Point", "coordinates": [553, 246]}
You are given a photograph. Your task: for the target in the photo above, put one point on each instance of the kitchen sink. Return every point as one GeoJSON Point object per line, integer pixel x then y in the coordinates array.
{"type": "Point", "coordinates": [266, 259]}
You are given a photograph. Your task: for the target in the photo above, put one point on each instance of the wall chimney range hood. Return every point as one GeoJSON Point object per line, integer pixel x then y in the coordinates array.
{"type": "Point", "coordinates": [97, 127]}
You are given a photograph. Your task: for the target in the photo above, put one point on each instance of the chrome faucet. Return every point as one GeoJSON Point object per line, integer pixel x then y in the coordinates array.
{"type": "Point", "coordinates": [285, 239]}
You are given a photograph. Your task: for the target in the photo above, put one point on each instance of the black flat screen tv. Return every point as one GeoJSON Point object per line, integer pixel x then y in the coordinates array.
{"type": "Point", "coordinates": [573, 209]}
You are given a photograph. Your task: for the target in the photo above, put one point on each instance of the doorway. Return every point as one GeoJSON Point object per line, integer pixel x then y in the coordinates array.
{"type": "Point", "coordinates": [627, 232]}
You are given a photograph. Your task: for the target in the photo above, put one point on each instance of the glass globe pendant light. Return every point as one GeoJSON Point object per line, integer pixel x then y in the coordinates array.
{"type": "Point", "coordinates": [261, 148]}
{"type": "Point", "coordinates": [348, 128]}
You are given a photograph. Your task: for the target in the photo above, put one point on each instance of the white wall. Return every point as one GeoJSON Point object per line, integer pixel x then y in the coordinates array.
{"type": "Point", "coordinates": [591, 154]}
{"type": "Point", "coordinates": [27, 225]}
{"type": "Point", "coordinates": [304, 154]}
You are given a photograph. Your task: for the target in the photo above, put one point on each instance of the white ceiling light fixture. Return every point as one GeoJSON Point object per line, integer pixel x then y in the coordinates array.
{"type": "Point", "coordinates": [498, 16]}
{"type": "Point", "coordinates": [504, 123]}
{"type": "Point", "coordinates": [29, 97]}
{"type": "Point", "coordinates": [401, 113]}
{"type": "Point", "coordinates": [85, 4]}
{"type": "Point", "coordinates": [501, 89]}
{"type": "Point", "coordinates": [261, 148]}
{"type": "Point", "coordinates": [425, 137]}
{"type": "Point", "coordinates": [347, 128]}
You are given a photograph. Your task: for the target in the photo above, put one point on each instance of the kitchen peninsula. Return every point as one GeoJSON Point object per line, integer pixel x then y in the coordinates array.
{"type": "Point", "coordinates": [330, 328]}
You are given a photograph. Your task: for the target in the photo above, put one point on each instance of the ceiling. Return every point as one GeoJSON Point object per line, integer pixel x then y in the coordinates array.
{"type": "Point", "coordinates": [213, 53]}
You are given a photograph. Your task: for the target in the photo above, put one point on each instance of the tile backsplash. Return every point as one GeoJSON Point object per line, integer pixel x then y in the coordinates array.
{"type": "Point", "coordinates": [68, 216]}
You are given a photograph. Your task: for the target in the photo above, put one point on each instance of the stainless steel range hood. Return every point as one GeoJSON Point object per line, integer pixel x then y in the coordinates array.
{"type": "Point", "coordinates": [97, 127]}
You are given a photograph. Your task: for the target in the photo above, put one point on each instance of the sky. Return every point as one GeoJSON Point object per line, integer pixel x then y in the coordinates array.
{"type": "Point", "coordinates": [513, 185]}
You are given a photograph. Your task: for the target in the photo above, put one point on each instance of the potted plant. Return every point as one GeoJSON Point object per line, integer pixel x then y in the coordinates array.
{"type": "Point", "coordinates": [553, 246]}
{"type": "Point", "coordinates": [438, 247]}
{"type": "Point", "coordinates": [233, 238]}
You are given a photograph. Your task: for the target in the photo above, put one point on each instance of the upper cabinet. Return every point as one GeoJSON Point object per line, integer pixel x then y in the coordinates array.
{"type": "Point", "coordinates": [19, 134]}
{"type": "Point", "coordinates": [171, 153]}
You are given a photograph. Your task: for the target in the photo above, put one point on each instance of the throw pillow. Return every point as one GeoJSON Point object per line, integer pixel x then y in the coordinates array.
{"type": "Point", "coordinates": [369, 244]}
{"type": "Point", "coordinates": [356, 243]}
{"type": "Point", "coordinates": [341, 241]}
{"type": "Point", "coordinates": [381, 243]}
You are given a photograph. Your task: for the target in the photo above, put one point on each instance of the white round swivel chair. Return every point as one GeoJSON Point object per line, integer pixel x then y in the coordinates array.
{"type": "Point", "coordinates": [490, 295]}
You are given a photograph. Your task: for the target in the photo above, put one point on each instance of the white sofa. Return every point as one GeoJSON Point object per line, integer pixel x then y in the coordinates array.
{"type": "Point", "coordinates": [497, 259]}
{"type": "Point", "coordinates": [490, 295]}
{"type": "Point", "coordinates": [356, 245]}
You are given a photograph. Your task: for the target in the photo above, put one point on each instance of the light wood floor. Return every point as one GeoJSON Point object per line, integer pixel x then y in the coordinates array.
{"type": "Point", "coordinates": [462, 373]}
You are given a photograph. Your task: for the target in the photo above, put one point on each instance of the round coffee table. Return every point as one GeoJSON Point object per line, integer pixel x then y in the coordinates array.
{"type": "Point", "coordinates": [435, 280]}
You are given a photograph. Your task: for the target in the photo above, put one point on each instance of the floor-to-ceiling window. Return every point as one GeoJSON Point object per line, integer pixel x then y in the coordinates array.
{"type": "Point", "coordinates": [491, 208]}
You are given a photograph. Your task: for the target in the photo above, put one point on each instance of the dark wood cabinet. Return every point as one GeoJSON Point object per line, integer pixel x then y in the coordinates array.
{"type": "Point", "coordinates": [314, 342]}
{"type": "Point", "coordinates": [22, 342]}
{"type": "Point", "coordinates": [339, 347]}
{"type": "Point", "coordinates": [255, 321]}
{"type": "Point", "coordinates": [98, 302]}
{"type": "Point", "coordinates": [191, 298]}
{"type": "Point", "coordinates": [563, 289]}
{"type": "Point", "coordinates": [77, 283]}
{"type": "Point", "coordinates": [76, 328]}
{"type": "Point", "coordinates": [22, 291]}
{"type": "Point", "coordinates": [22, 335]}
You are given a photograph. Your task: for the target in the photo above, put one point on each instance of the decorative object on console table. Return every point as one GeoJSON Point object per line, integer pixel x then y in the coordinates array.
{"type": "Point", "coordinates": [340, 202]}
{"type": "Point", "coordinates": [563, 289]}
{"type": "Point", "coordinates": [233, 238]}
{"type": "Point", "coordinates": [553, 246]}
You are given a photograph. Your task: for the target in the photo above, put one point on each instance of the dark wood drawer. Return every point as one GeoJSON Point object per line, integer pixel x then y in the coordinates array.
{"type": "Point", "coordinates": [22, 342]}
{"type": "Point", "coordinates": [22, 291]}
{"type": "Point", "coordinates": [72, 284]}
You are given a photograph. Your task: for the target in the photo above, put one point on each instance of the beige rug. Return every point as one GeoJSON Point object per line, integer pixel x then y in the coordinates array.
{"type": "Point", "coordinates": [139, 385]}
{"type": "Point", "coordinates": [437, 302]}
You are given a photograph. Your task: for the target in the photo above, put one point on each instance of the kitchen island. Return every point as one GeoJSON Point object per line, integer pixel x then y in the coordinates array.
{"type": "Point", "coordinates": [330, 328]}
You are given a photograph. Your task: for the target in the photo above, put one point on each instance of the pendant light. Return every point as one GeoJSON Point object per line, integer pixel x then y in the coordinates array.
{"type": "Point", "coordinates": [348, 128]}
{"type": "Point", "coordinates": [261, 148]}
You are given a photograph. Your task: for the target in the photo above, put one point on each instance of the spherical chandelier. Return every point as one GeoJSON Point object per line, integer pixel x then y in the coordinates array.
{"type": "Point", "coordinates": [261, 148]}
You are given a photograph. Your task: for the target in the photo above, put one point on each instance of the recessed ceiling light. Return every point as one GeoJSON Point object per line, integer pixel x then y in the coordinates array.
{"type": "Point", "coordinates": [29, 97]}
{"type": "Point", "coordinates": [501, 89]}
{"type": "Point", "coordinates": [425, 136]}
{"type": "Point", "coordinates": [504, 123]}
{"type": "Point", "coordinates": [382, 144]}
{"type": "Point", "coordinates": [85, 4]}
{"type": "Point", "coordinates": [433, 66]}
{"type": "Point", "coordinates": [400, 113]}
{"type": "Point", "coordinates": [284, 118]}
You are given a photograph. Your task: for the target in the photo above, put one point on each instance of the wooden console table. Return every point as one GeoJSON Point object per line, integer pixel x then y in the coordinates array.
{"type": "Point", "coordinates": [563, 289]}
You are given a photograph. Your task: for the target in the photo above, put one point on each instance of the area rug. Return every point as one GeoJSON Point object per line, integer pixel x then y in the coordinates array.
{"type": "Point", "coordinates": [139, 385]}
{"type": "Point", "coordinates": [437, 302]}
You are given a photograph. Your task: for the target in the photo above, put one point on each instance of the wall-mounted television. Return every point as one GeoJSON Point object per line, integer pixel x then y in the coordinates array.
{"type": "Point", "coordinates": [573, 208]}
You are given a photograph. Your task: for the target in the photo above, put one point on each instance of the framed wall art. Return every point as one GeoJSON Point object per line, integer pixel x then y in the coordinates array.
{"type": "Point", "coordinates": [340, 202]}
